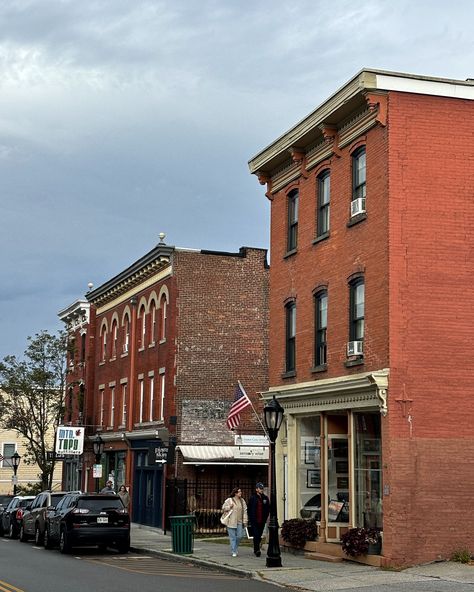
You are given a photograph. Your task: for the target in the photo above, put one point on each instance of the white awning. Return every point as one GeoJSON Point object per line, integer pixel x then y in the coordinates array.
{"type": "Point", "coordinates": [222, 455]}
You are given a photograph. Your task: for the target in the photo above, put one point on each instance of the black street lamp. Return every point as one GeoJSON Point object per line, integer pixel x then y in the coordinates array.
{"type": "Point", "coordinates": [98, 446]}
{"type": "Point", "coordinates": [15, 464]}
{"type": "Point", "coordinates": [273, 416]}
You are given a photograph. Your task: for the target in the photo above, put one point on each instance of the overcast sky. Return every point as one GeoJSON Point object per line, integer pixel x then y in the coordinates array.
{"type": "Point", "coordinates": [121, 119]}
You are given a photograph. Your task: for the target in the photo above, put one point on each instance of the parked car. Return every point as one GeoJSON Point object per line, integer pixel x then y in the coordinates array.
{"type": "Point", "coordinates": [88, 519]}
{"type": "Point", "coordinates": [33, 520]}
{"type": "Point", "coordinates": [4, 501]}
{"type": "Point", "coordinates": [10, 519]}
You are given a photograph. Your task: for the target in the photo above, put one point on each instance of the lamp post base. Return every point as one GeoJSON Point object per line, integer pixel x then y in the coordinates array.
{"type": "Point", "coordinates": [273, 562]}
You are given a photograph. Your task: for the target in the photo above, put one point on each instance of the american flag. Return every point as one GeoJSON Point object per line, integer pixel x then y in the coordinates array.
{"type": "Point", "coordinates": [241, 401]}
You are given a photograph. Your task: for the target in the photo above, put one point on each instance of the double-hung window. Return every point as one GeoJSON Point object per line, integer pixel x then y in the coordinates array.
{"type": "Point", "coordinates": [357, 310]}
{"type": "Point", "coordinates": [324, 195]}
{"type": "Point", "coordinates": [358, 174]}
{"type": "Point", "coordinates": [321, 318]}
{"type": "Point", "coordinates": [290, 310]}
{"type": "Point", "coordinates": [292, 241]}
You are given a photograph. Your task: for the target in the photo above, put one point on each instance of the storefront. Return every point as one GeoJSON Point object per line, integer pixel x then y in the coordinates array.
{"type": "Point", "coordinates": [330, 458]}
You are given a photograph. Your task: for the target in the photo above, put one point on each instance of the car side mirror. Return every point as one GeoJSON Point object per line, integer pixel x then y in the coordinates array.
{"type": "Point", "coordinates": [49, 508]}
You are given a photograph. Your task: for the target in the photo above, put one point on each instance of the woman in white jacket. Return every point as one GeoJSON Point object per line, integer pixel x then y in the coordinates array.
{"type": "Point", "coordinates": [235, 509]}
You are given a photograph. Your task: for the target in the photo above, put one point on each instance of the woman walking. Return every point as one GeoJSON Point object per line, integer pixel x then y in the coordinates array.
{"type": "Point", "coordinates": [235, 518]}
{"type": "Point", "coordinates": [124, 496]}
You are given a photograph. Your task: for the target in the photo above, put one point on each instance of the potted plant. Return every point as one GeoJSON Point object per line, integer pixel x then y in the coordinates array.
{"type": "Point", "coordinates": [361, 541]}
{"type": "Point", "coordinates": [298, 531]}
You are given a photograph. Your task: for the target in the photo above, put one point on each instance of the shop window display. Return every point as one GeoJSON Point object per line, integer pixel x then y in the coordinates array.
{"type": "Point", "coordinates": [310, 467]}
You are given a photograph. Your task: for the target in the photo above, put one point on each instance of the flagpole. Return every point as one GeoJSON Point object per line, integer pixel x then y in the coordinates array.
{"type": "Point", "coordinates": [253, 408]}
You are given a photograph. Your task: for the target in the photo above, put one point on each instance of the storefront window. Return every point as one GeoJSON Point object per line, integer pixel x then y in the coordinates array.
{"type": "Point", "coordinates": [338, 468]}
{"type": "Point", "coordinates": [368, 470]}
{"type": "Point", "coordinates": [310, 467]}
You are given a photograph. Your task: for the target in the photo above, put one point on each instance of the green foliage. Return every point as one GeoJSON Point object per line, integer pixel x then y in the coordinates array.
{"type": "Point", "coordinates": [356, 541]}
{"type": "Point", "coordinates": [32, 396]}
{"type": "Point", "coordinates": [29, 489]}
{"type": "Point", "coordinates": [299, 531]}
{"type": "Point", "coordinates": [462, 555]}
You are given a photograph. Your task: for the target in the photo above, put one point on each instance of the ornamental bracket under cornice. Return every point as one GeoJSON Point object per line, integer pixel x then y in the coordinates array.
{"type": "Point", "coordinates": [331, 137]}
{"type": "Point", "coordinates": [377, 102]}
{"type": "Point", "coordinates": [265, 179]}
{"type": "Point", "coordinates": [380, 380]}
{"type": "Point", "coordinates": [298, 155]}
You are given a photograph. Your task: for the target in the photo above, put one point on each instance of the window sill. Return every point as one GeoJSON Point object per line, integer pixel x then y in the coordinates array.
{"type": "Point", "coordinates": [110, 428]}
{"type": "Point", "coordinates": [289, 374]}
{"type": "Point", "coordinates": [140, 349]}
{"type": "Point", "coordinates": [320, 368]}
{"type": "Point", "coordinates": [321, 238]}
{"type": "Point", "coordinates": [122, 427]}
{"type": "Point", "coordinates": [290, 253]}
{"type": "Point", "coordinates": [101, 363]}
{"type": "Point", "coordinates": [113, 359]}
{"type": "Point", "coordinates": [356, 362]}
{"type": "Point", "coordinates": [124, 355]}
{"type": "Point", "coordinates": [357, 219]}
{"type": "Point", "coordinates": [162, 340]}
{"type": "Point", "coordinates": [152, 344]}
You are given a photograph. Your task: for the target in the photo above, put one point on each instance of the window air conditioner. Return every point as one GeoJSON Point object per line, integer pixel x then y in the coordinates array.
{"type": "Point", "coordinates": [355, 348]}
{"type": "Point", "coordinates": [357, 206]}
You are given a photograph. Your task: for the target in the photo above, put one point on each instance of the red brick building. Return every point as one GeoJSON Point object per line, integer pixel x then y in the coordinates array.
{"type": "Point", "coordinates": [172, 334]}
{"type": "Point", "coordinates": [371, 239]}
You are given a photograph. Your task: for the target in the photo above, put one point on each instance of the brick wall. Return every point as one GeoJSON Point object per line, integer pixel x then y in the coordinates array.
{"type": "Point", "coordinates": [427, 457]}
{"type": "Point", "coordinates": [222, 315]}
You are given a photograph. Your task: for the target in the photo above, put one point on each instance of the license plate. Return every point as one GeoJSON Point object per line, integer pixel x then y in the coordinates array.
{"type": "Point", "coordinates": [102, 520]}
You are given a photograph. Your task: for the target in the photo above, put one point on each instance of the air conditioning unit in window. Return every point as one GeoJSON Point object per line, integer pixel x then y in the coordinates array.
{"type": "Point", "coordinates": [355, 348]}
{"type": "Point", "coordinates": [357, 206]}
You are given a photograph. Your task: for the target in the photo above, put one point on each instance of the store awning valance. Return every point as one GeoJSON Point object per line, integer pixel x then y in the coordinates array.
{"type": "Point", "coordinates": [223, 455]}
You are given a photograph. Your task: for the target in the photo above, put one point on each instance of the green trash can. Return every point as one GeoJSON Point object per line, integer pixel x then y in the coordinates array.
{"type": "Point", "coordinates": [182, 535]}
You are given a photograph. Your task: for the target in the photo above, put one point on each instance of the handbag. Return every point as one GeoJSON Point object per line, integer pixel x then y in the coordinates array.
{"type": "Point", "coordinates": [225, 517]}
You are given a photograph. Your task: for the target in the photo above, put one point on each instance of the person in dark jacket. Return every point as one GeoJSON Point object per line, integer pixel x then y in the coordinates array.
{"type": "Point", "coordinates": [258, 510]}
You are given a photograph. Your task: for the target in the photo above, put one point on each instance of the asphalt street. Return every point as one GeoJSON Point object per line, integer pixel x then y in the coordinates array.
{"type": "Point", "coordinates": [26, 568]}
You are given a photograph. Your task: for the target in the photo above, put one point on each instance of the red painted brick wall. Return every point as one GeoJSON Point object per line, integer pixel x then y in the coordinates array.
{"type": "Point", "coordinates": [362, 247]}
{"type": "Point", "coordinates": [428, 455]}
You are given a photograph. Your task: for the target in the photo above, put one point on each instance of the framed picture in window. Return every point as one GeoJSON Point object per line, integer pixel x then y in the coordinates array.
{"type": "Point", "coordinates": [310, 449]}
{"type": "Point", "coordinates": [313, 478]}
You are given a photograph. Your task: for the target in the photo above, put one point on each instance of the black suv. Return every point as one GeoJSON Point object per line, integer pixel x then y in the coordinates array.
{"type": "Point", "coordinates": [88, 519]}
{"type": "Point", "coordinates": [4, 501]}
{"type": "Point", "coordinates": [33, 521]}
{"type": "Point", "coordinates": [11, 517]}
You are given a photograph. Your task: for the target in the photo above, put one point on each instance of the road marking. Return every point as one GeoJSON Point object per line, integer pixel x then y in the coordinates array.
{"type": "Point", "coordinates": [6, 587]}
{"type": "Point", "coordinates": [152, 566]}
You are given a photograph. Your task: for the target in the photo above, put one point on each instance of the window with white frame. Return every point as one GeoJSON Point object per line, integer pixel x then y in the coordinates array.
{"type": "Point", "coordinates": [112, 406]}
{"type": "Point", "coordinates": [101, 418]}
{"type": "Point", "coordinates": [142, 316]}
{"type": "Point", "coordinates": [324, 195]}
{"type": "Point", "coordinates": [141, 388]}
{"type": "Point", "coordinates": [114, 339]}
{"type": "Point", "coordinates": [153, 322]}
{"type": "Point", "coordinates": [126, 334]}
{"type": "Point", "coordinates": [163, 318]}
{"type": "Point", "coordinates": [152, 396]}
{"type": "Point", "coordinates": [103, 341]}
{"type": "Point", "coordinates": [8, 450]}
{"type": "Point", "coordinates": [162, 395]}
{"type": "Point", "coordinates": [124, 404]}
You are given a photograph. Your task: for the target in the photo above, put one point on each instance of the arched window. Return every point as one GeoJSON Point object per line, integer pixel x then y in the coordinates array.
{"type": "Point", "coordinates": [292, 240]}
{"type": "Point", "coordinates": [114, 338]}
{"type": "Point", "coordinates": [324, 196]}
{"type": "Point", "coordinates": [103, 344]}
{"type": "Point", "coordinates": [153, 322]}
{"type": "Point", "coordinates": [163, 316]}
{"type": "Point", "coordinates": [142, 317]}
{"type": "Point", "coordinates": [83, 347]}
{"type": "Point", "coordinates": [320, 326]}
{"type": "Point", "coordinates": [126, 334]}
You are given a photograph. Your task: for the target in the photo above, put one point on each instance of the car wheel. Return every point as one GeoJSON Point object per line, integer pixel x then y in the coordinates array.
{"type": "Point", "coordinates": [64, 543]}
{"type": "Point", "coordinates": [47, 542]}
{"type": "Point", "coordinates": [23, 535]}
{"type": "Point", "coordinates": [38, 537]}
{"type": "Point", "coordinates": [12, 531]}
{"type": "Point", "coordinates": [2, 531]}
{"type": "Point", "coordinates": [123, 547]}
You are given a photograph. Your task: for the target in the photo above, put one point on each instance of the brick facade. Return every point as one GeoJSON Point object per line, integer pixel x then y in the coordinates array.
{"type": "Point", "coordinates": [413, 249]}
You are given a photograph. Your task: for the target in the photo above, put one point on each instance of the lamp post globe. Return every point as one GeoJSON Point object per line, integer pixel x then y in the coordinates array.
{"type": "Point", "coordinates": [273, 416]}
{"type": "Point", "coordinates": [15, 460]}
{"type": "Point", "coordinates": [98, 447]}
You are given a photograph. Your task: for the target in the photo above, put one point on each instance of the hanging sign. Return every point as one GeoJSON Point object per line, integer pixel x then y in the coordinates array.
{"type": "Point", "coordinates": [157, 455]}
{"type": "Point", "coordinates": [69, 440]}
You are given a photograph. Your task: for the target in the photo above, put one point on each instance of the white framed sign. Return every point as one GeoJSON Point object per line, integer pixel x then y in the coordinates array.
{"type": "Point", "coordinates": [69, 440]}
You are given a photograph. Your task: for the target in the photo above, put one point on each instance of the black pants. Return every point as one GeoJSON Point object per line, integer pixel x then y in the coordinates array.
{"type": "Point", "coordinates": [257, 530]}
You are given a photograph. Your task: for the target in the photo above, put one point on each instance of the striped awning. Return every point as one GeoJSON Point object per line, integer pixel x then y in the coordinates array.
{"type": "Point", "coordinates": [216, 455]}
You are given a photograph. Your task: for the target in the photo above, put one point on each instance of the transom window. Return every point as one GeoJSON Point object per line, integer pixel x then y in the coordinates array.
{"type": "Point", "coordinates": [357, 310]}
{"type": "Point", "coordinates": [292, 220]}
{"type": "Point", "coordinates": [290, 310]}
{"type": "Point", "coordinates": [321, 317]}
{"type": "Point", "coordinates": [358, 174]}
{"type": "Point", "coordinates": [324, 194]}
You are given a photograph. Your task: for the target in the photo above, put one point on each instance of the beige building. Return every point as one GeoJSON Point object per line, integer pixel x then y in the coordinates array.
{"type": "Point", "coordinates": [10, 442]}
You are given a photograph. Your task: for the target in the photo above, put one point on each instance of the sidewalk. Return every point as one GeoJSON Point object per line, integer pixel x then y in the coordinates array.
{"type": "Point", "coordinates": [302, 573]}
